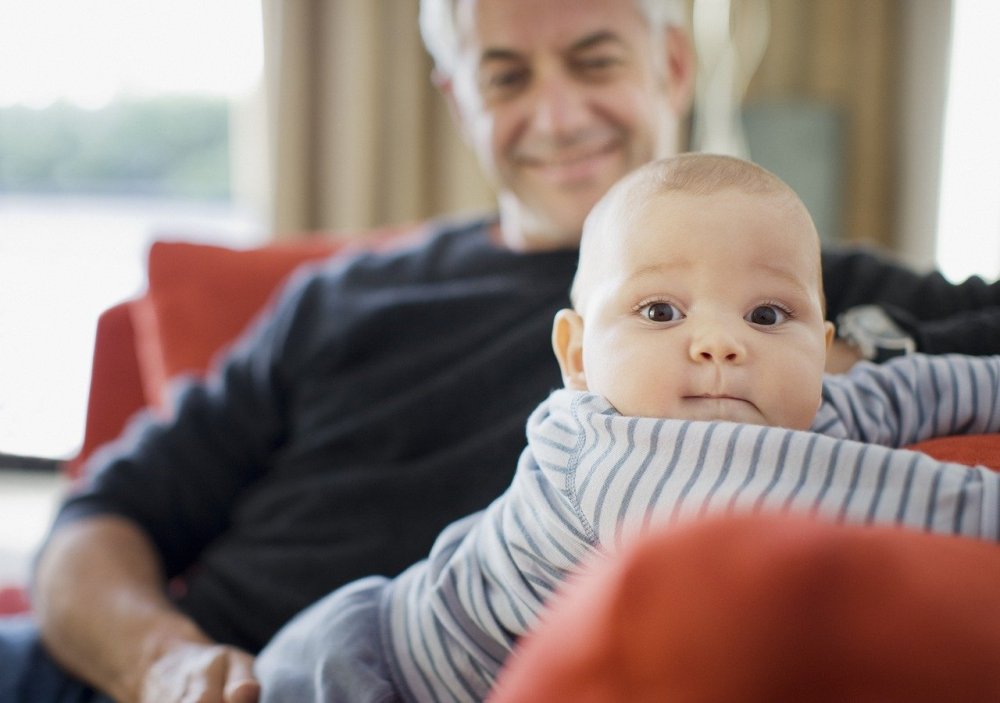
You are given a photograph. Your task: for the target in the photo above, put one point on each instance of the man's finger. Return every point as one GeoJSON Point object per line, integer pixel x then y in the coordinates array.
{"type": "Point", "coordinates": [244, 691]}
{"type": "Point", "coordinates": [241, 685]}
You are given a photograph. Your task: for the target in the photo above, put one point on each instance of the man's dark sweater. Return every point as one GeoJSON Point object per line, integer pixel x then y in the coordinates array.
{"type": "Point", "coordinates": [384, 398]}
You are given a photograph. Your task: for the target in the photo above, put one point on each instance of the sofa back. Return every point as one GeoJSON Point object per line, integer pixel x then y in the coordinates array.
{"type": "Point", "coordinates": [199, 298]}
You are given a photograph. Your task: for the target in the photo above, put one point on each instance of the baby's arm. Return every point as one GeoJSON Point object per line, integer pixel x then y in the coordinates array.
{"type": "Point", "coordinates": [913, 398]}
{"type": "Point", "coordinates": [592, 479]}
{"type": "Point", "coordinates": [633, 472]}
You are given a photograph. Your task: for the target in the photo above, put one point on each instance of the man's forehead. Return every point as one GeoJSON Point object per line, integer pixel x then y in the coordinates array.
{"type": "Point", "coordinates": [512, 26]}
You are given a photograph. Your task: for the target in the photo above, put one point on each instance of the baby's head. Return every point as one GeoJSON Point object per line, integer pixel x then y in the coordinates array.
{"type": "Point", "coordinates": [699, 296]}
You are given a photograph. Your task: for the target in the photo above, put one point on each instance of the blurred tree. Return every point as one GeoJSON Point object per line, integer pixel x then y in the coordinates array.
{"type": "Point", "coordinates": [165, 146]}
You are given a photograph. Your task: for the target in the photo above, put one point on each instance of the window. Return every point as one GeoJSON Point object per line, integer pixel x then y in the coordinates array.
{"type": "Point", "coordinates": [968, 240]}
{"type": "Point", "coordinates": [120, 122]}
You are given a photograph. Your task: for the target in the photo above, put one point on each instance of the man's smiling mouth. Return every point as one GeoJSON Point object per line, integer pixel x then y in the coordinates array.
{"type": "Point", "coordinates": [572, 165]}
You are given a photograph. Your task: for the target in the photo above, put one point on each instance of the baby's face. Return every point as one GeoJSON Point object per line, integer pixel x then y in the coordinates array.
{"type": "Point", "coordinates": [708, 307]}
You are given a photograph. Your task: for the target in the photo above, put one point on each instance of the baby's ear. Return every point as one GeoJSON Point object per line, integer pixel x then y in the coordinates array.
{"type": "Point", "coordinates": [567, 343]}
{"type": "Point", "coordinates": [831, 333]}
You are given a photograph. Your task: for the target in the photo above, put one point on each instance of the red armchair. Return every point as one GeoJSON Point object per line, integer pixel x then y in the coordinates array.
{"type": "Point", "coordinates": [769, 608]}
{"type": "Point", "coordinates": [198, 299]}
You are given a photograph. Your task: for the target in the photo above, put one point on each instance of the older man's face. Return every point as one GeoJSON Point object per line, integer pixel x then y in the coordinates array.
{"type": "Point", "coordinates": [559, 99]}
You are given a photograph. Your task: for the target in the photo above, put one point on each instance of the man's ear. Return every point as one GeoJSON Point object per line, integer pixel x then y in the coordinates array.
{"type": "Point", "coordinates": [567, 343]}
{"type": "Point", "coordinates": [446, 85]}
{"type": "Point", "coordinates": [681, 64]}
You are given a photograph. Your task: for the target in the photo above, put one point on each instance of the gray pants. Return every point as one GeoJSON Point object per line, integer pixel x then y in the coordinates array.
{"type": "Point", "coordinates": [28, 674]}
{"type": "Point", "coordinates": [330, 652]}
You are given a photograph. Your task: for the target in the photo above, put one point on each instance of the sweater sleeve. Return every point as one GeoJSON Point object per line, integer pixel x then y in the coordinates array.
{"type": "Point", "coordinates": [178, 477]}
{"type": "Point", "coordinates": [942, 317]}
{"type": "Point", "coordinates": [455, 617]}
{"type": "Point", "coordinates": [592, 479]}
{"type": "Point", "coordinates": [912, 398]}
{"type": "Point", "coordinates": [632, 473]}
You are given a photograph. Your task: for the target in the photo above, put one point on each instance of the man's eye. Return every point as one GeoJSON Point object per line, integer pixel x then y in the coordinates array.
{"type": "Point", "coordinates": [662, 312]}
{"type": "Point", "coordinates": [767, 315]}
{"type": "Point", "coordinates": [598, 68]}
{"type": "Point", "coordinates": [506, 80]}
{"type": "Point", "coordinates": [596, 63]}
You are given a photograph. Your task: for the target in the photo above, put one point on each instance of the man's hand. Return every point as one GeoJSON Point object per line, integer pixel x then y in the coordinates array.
{"type": "Point", "coordinates": [195, 673]}
{"type": "Point", "coordinates": [115, 628]}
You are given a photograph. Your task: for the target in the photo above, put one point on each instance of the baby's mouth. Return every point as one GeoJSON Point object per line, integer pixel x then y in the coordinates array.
{"type": "Point", "coordinates": [715, 396]}
{"type": "Point", "coordinates": [721, 405]}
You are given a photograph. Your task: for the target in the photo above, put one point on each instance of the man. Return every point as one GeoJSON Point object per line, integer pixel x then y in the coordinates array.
{"type": "Point", "coordinates": [376, 404]}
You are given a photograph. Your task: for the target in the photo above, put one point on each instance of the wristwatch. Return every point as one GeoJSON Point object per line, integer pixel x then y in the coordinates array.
{"type": "Point", "coordinates": [873, 333]}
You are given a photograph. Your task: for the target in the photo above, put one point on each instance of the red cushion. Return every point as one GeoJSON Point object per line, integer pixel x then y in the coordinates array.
{"type": "Point", "coordinates": [13, 600]}
{"type": "Point", "coordinates": [771, 609]}
{"type": "Point", "coordinates": [974, 450]}
{"type": "Point", "coordinates": [200, 297]}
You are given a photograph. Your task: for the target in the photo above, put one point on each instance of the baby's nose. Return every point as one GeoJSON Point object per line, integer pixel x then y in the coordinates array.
{"type": "Point", "coordinates": [716, 343]}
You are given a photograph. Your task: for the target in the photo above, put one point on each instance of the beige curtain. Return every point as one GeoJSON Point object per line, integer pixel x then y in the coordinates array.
{"type": "Point", "coordinates": [845, 53]}
{"type": "Point", "coordinates": [358, 135]}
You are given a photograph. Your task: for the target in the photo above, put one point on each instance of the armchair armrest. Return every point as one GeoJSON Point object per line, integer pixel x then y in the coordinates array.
{"type": "Point", "coordinates": [116, 391]}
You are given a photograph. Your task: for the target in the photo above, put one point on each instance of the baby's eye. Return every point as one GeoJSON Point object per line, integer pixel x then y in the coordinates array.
{"type": "Point", "coordinates": [662, 312]}
{"type": "Point", "coordinates": [767, 315]}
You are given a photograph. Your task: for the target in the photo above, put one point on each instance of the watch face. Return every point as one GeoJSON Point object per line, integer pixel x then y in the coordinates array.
{"type": "Point", "coordinates": [878, 324]}
{"type": "Point", "coordinates": [874, 333]}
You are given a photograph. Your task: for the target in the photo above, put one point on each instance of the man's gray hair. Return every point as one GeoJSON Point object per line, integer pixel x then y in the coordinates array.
{"type": "Point", "coordinates": [440, 30]}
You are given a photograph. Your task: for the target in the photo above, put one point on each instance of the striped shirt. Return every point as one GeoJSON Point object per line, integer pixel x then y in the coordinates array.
{"type": "Point", "coordinates": [591, 479]}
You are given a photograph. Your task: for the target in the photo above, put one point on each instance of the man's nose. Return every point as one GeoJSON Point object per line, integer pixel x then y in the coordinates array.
{"type": "Point", "coordinates": [560, 107]}
{"type": "Point", "coordinates": [716, 342]}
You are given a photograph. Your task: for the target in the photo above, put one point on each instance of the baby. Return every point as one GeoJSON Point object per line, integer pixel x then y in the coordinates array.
{"type": "Point", "coordinates": [701, 289]}
{"type": "Point", "coordinates": [693, 364]}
